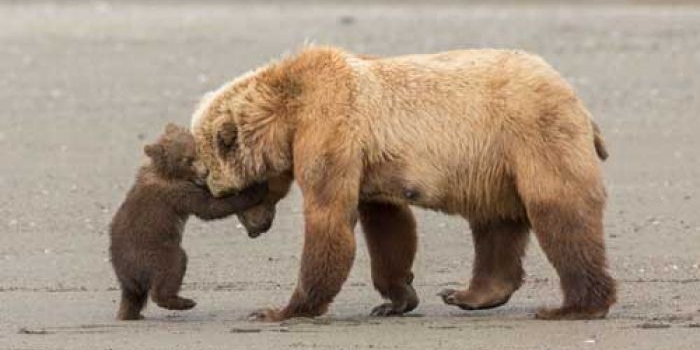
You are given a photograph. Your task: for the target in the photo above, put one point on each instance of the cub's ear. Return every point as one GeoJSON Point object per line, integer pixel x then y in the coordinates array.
{"type": "Point", "coordinates": [171, 128]}
{"type": "Point", "coordinates": [154, 151]}
{"type": "Point", "coordinates": [227, 134]}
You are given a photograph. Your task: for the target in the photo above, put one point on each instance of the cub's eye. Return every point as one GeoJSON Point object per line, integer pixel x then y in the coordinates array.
{"type": "Point", "coordinates": [187, 161]}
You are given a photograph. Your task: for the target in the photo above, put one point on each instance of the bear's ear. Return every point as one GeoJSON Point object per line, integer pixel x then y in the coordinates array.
{"type": "Point", "coordinates": [171, 128]}
{"type": "Point", "coordinates": [154, 151]}
{"type": "Point", "coordinates": [227, 134]}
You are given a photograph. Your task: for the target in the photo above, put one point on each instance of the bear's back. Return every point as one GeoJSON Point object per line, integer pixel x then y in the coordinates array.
{"type": "Point", "coordinates": [450, 122]}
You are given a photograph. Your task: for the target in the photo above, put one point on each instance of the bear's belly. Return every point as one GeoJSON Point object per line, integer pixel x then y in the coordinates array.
{"type": "Point", "coordinates": [383, 184]}
{"type": "Point", "coordinates": [446, 191]}
{"type": "Point", "coordinates": [392, 183]}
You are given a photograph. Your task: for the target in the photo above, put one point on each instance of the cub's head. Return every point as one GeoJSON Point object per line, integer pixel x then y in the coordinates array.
{"type": "Point", "coordinates": [174, 155]}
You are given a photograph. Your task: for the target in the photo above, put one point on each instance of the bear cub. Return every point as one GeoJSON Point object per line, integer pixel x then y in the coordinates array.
{"type": "Point", "coordinates": [146, 231]}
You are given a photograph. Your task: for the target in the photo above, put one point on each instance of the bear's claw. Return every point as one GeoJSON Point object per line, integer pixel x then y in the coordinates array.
{"type": "Point", "coordinates": [266, 315]}
{"type": "Point", "coordinates": [387, 309]}
{"type": "Point", "coordinates": [448, 296]}
{"type": "Point", "coordinates": [451, 297]}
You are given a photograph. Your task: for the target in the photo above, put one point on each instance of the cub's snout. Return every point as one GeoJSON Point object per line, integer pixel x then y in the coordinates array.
{"type": "Point", "coordinates": [258, 219]}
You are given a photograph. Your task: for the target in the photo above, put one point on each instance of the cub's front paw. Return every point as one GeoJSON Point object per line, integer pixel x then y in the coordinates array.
{"type": "Point", "coordinates": [267, 315]}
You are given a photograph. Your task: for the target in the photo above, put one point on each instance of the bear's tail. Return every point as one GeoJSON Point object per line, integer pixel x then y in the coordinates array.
{"type": "Point", "coordinates": [599, 142]}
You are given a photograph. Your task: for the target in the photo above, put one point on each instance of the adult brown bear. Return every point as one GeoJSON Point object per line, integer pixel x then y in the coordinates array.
{"type": "Point", "coordinates": [495, 136]}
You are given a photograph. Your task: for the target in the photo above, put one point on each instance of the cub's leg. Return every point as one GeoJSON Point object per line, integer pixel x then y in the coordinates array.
{"type": "Point", "coordinates": [566, 212]}
{"type": "Point", "coordinates": [390, 231]}
{"type": "Point", "coordinates": [167, 279]}
{"type": "Point", "coordinates": [133, 300]}
{"type": "Point", "coordinates": [497, 272]}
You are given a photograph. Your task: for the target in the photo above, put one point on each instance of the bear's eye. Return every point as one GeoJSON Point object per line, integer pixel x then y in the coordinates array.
{"type": "Point", "coordinates": [226, 140]}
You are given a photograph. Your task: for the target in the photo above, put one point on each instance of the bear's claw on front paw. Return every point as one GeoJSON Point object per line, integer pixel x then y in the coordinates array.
{"type": "Point", "coordinates": [448, 296]}
{"type": "Point", "coordinates": [266, 315]}
{"type": "Point", "coordinates": [452, 297]}
{"type": "Point", "coordinates": [386, 309]}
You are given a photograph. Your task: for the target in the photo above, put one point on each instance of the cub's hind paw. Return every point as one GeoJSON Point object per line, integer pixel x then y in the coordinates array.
{"type": "Point", "coordinates": [569, 313]}
{"type": "Point", "coordinates": [130, 317]}
{"type": "Point", "coordinates": [177, 303]}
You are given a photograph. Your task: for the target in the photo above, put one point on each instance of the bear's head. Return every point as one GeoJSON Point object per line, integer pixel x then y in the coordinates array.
{"type": "Point", "coordinates": [243, 135]}
{"type": "Point", "coordinates": [174, 156]}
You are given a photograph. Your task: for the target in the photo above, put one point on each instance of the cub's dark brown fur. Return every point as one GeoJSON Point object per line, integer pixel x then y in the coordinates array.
{"type": "Point", "coordinates": [147, 229]}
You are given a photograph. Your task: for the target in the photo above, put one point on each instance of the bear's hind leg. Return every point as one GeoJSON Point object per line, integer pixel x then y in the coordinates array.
{"type": "Point", "coordinates": [390, 232]}
{"type": "Point", "coordinates": [132, 302]}
{"type": "Point", "coordinates": [167, 280]}
{"type": "Point", "coordinates": [497, 272]}
{"type": "Point", "coordinates": [564, 201]}
{"type": "Point", "coordinates": [572, 239]}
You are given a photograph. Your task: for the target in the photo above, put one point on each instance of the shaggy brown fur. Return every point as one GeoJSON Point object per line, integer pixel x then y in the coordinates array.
{"type": "Point", "coordinates": [147, 229]}
{"type": "Point", "coordinates": [495, 136]}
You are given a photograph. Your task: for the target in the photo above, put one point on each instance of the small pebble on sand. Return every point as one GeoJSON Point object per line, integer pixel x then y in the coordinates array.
{"type": "Point", "coordinates": [346, 20]}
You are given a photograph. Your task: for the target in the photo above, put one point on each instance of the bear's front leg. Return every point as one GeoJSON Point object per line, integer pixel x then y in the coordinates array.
{"type": "Point", "coordinates": [330, 215]}
{"type": "Point", "coordinates": [329, 251]}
